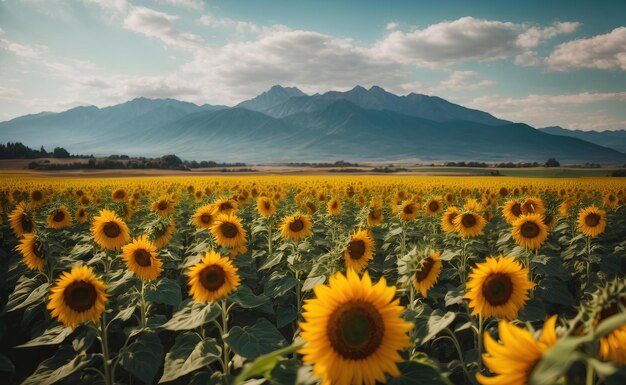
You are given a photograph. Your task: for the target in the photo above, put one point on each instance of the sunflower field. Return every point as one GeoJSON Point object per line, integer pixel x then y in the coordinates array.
{"type": "Point", "coordinates": [312, 280]}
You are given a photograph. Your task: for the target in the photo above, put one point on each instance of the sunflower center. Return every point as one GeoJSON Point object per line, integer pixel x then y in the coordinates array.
{"type": "Point", "coordinates": [451, 218]}
{"type": "Point", "coordinates": [375, 213]}
{"type": "Point", "coordinates": [423, 272]}
{"type": "Point", "coordinates": [468, 221]}
{"type": "Point", "coordinates": [497, 289]}
{"type": "Point", "coordinates": [37, 195]}
{"type": "Point", "coordinates": [433, 206]}
{"type": "Point", "coordinates": [80, 296]}
{"type": "Point", "coordinates": [162, 206]}
{"type": "Point", "coordinates": [59, 216]}
{"type": "Point", "coordinates": [530, 230]}
{"type": "Point", "coordinates": [267, 205]}
{"type": "Point", "coordinates": [592, 220]}
{"type": "Point", "coordinates": [516, 209]}
{"type": "Point", "coordinates": [212, 277]}
{"type": "Point", "coordinates": [229, 229]}
{"type": "Point", "coordinates": [530, 207]}
{"type": "Point", "coordinates": [112, 230]}
{"type": "Point", "coordinates": [356, 249]}
{"type": "Point", "coordinates": [355, 330]}
{"type": "Point", "coordinates": [296, 226]}
{"type": "Point", "coordinates": [81, 213]}
{"type": "Point", "coordinates": [408, 209]}
{"type": "Point", "coordinates": [205, 218]}
{"type": "Point", "coordinates": [27, 224]}
{"type": "Point", "coordinates": [334, 205]}
{"type": "Point", "coordinates": [38, 249]}
{"type": "Point", "coordinates": [142, 257]}
{"type": "Point", "coordinates": [225, 206]}
{"type": "Point", "coordinates": [119, 194]}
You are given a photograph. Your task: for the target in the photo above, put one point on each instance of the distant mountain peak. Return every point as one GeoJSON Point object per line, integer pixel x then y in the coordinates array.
{"type": "Point", "coordinates": [270, 98]}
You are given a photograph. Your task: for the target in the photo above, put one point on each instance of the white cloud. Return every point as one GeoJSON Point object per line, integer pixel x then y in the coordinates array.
{"type": "Point", "coordinates": [604, 52]}
{"type": "Point", "coordinates": [548, 110]}
{"type": "Point", "coordinates": [462, 81]}
{"type": "Point", "coordinates": [189, 4]}
{"type": "Point", "coordinates": [210, 20]}
{"type": "Point", "coordinates": [391, 26]}
{"type": "Point", "coordinates": [26, 51]}
{"type": "Point", "coordinates": [465, 39]}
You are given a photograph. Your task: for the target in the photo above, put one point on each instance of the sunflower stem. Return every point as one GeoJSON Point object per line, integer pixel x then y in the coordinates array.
{"type": "Point", "coordinates": [480, 343]}
{"type": "Point", "coordinates": [588, 261]}
{"type": "Point", "coordinates": [143, 305]}
{"type": "Point", "coordinates": [108, 379]}
{"type": "Point", "coordinates": [225, 350]}
{"type": "Point", "coordinates": [269, 239]}
{"type": "Point", "coordinates": [590, 378]}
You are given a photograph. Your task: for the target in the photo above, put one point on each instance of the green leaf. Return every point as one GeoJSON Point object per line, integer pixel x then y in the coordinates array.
{"type": "Point", "coordinates": [416, 373]}
{"type": "Point", "coordinates": [245, 298]}
{"type": "Point", "coordinates": [192, 315]}
{"type": "Point", "coordinates": [285, 315]}
{"type": "Point", "coordinates": [278, 283]}
{"type": "Point", "coordinates": [143, 357]}
{"type": "Point", "coordinates": [24, 299]}
{"type": "Point", "coordinates": [190, 352]}
{"type": "Point", "coordinates": [264, 364]}
{"type": "Point", "coordinates": [608, 325]}
{"type": "Point", "coordinates": [554, 290]}
{"type": "Point", "coordinates": [437, 323]}
{"type": "Point", "coordinates": [253, 341]}
{"type": "Point", "coordinates": [550, 266]}
{"type": "Point", "coordinates": [167, 291]}
{"type": "Point", "coordinates": [124, 315]}
{"type": "Point", "coordinates": [58, 367]}
{"type": "Point", "coordinates": [6, 365]}
{"type": "Point", "coordinates": [533, 310]}
{"type": "Point", "coordinates": [311, 282]}
{"type": "Point", "coordinates": [555, 362]}
{"type": "Point", "coordinates": [54, 334]}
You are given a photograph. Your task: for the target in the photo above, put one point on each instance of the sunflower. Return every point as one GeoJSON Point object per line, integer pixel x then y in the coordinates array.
{"type": "Point", "coordinates": [591, 221]}
{"type": "Point", "coordinates": [163, 234]}
{"type": "Point", "coordinates": [37, 197]}
{"type": "Point", "coordinates": [512, 210]}
{"type": "Point", "coordinates": [473, 205]}
{"type": "Point", "coordinates": [141, 258]}
{"type": "Point", "coordinates": [408, 211]}
{"type": "Point", "coordinates": [81, 215]}
{"type": "Point", "coordinates": [21, 221]}
{"type": "Point", "coordinates": [334, 207]}
{"type": "Point", "coordinates": [565, 206]}
{"type": "Point", "coordinates": [78, 296]}
{"type": "Point", "coordinates": [296, 227]}
{"type": "Point", "coordinates": [109, 231]}
{"type": "Point", "coordinates": [163, 206]}
{"type": "Point", "coordinates": [375, 216]}
{"type": "Point", "coordinates": [266, 207]}
{"type": "Point", "coordinates": [427, 274]}
{"type": "Point", "coordinates": [204, 216]}
{"type": "Point", "coordinates": [608, 301]}
{"type": "Point", "coordinates": [59, 218]}
{"type": "Point", "coordinates": [32, 250]}
{"type": "Point", "coordinates": [513, 361]}
{"type": "Point", "coordinates": [447, 219]}
{"type": "Point", "coordinates": [610, 201]}
{"type": "Point", "coordinates": [359, 250]}
{"type": "Point", "coordinates": [433, 206]}
{"type": "Point", "coordinates": [225, 206]}
{"type": "Point", "coordinates": [228, 231]}
{"type": "Point", "coordinates": [119, 195]}
{"type": "Point", "coordinates": [533, 205]}
{"type": "Point", "coordinates": [469, 224]}
{"type": "Point", "coordinates": [212, 278]}
{"type": "Point", "coordinates": [353, 330]}
{"type": "Point", "coordinates": [530, 231]}
{"type": "Point", "coordinates": [498, 288]}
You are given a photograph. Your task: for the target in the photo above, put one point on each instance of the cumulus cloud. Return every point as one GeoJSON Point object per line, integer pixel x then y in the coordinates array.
{"type": "Point", "coordinates": [210, 20]}
{"type": "Point", "coordinates": [390, 26]}
{"type": "Point", "coordinates": [463, 81]}
{"type": "Point", "coordinates": [189, 4]}
{"type": "Point", "coordinates": [466, 39]}
{"type": "Point", "coordinates": [604, 52]}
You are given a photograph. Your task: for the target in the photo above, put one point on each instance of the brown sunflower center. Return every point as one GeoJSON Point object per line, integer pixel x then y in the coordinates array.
{"type": "Point", "coordinates": [58, 216]}
{"type": "Point", "coordinates": [296, 225]}
{"type": "Point", "coordinates": [529, 207]}
{"type": "Point", "coordinates": [267, 205]}
{"type": "Point", "coordinates": [80, 296]}
{"type": "Point", "coordinates": [516, 209]}
{"type": "Point", "coordinates": [81, 213]}
{"type": "Point", "coordinates": [27, 224]}
{"type": "Point", "coordinates": [119, 194]}
{"type": "Point", "coordinates": [205, 218]}
{"type": "Point", "coordinates": [37, 195]}
{"type": "Point", "coordinates": [112, 229]}
{"type": "Point", "coordinates": [355, 330]}
{"type": "Point", "coordinates": [433, 206]}
{"type": "Point", "coordinates": [497, 289]}
{"type": "Point", "coordinates": [162, 205]}
{"type": "Point", "coordinates": [451, 217]}
{"type": "Point", "coordinates": [356, 249]}
{"type": "Point", "coordinates": [375, 213]}
{"type": "Point", "coordinates": [212, 277]}
{"type": "Point", "coordinates": [530, 230]}
{"type": "Point", "coordinates": [143, 257]}
{"type": "Point", "coordinates": [229, 230]}
{"type": "Point", "coordinates": [334, 205]}
{"type": "Point", "coordinates": [423, 272]}
{"type": "Point", "coordinates": [468, 221]}
{"type": "Point", "coordinates": [592, 220]}
{"type": "Point", "coordinates": [408, 209]}
{"type": "Point", "coordinates": [226, 206]}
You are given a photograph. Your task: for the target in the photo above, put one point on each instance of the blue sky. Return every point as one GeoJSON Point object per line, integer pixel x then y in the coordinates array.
{"type": "Point", "coordinates": [539, 62]}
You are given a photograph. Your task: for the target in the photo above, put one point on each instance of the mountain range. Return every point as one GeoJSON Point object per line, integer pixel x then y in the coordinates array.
{"type": "Point", "coordinates": [284, 124]}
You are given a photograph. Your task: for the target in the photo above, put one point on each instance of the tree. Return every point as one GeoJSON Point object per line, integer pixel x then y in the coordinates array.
{"type": "Point", "coordinates": [553, 163]}
{"type": "Point", "coordinates": [60, 152]}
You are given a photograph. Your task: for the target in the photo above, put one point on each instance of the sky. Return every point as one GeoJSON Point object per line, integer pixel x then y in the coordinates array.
{"type": "Point", "coordinates": [540, 62]}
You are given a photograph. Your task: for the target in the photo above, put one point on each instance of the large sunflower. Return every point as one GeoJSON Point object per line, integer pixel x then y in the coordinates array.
{"type": "Point", "coordinates": [334, 207]}
{"type": "Point", "coordinates": [513, 361]}
{"type": "Point", "coordinates": [119, 195]}
{"type": "Point", "coordinates": [408, 211]}
{"type": "Point", "coordinates": [427, 274]}
{"type": "Point", "coordinates": [22, 221]}
{"type": "Point", "coordinates": [530, 231]}
{"type": "Point", "coordinates": [204, 216]}
{"type": "Point", "coordinates": [141, 258]}
{"type": "Point", "coordinates": [359, 251]}
{"type": "Point", "coordinates": [225, 206]}
{"type": "Point", "coordinates": [212, 278]}
{"type": "Point", "coordinates": [353, 330]}
{"type": "Point", "coordinates": [447, 219]}
{"type": "Point", "coordinates": [266, 207]}
{"type": "Point", "coordinates": [296, 227]}
{"type": "Point", "coordinates": [37, 197]}
{"type": "Point", "coordinates": [533, 205]}
{"type": "Point", "coordinates": [228, 231]}
{"type": "Point", "coordinates": [78, 296]}
{"type": "Point", "coordinates": [498, 288]}
{"type": "Point", "coordinates": [591, 221]}
{"type": "Point", "coordinates": [32, 250]}
{"type": "Point", "coordinates": [109, 231]}
{"type": "Point", "coordinates": [433, 206]}
{"type": "Point", "coordinates": [469, 224]}
{"type": "Point", "coordinates": [163, 206]}
{"type": "Point", "coordinates": [59, 218]}
{"type": "Point", "coordinates": [512, 210]}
